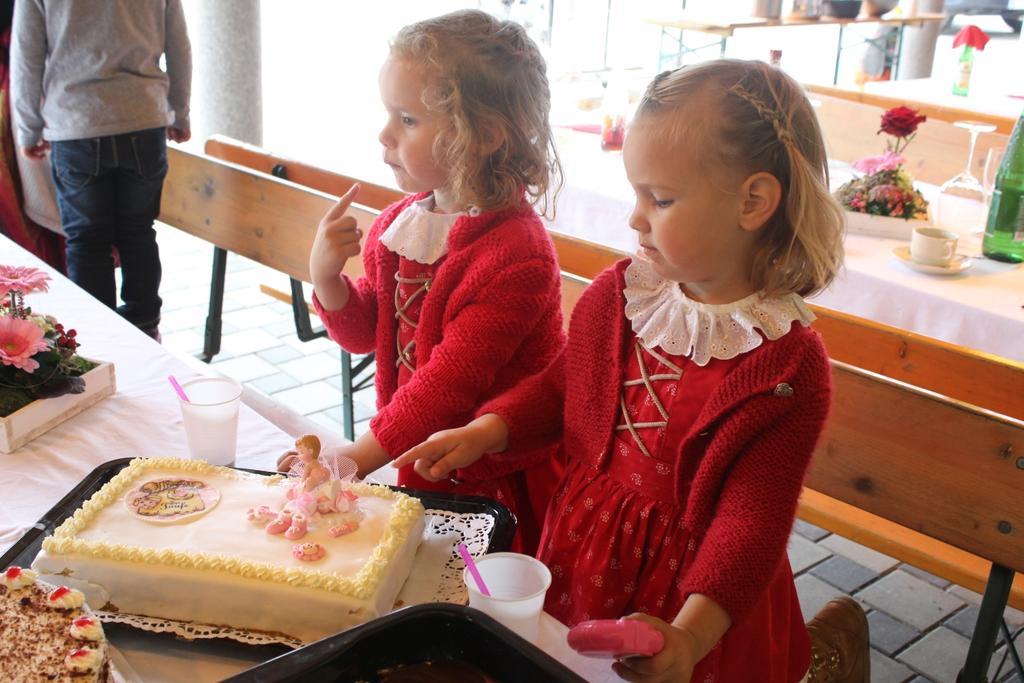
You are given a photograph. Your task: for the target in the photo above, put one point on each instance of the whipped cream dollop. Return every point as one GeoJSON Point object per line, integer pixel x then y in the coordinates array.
{"type": "Point", "coordinates": [87, 628]}
{"type": "Point", "coordinates": [15, 578]}
{"type": "Point", "coordinates": [84, 660]}
{"type": "Point", "coordinates": [65, 598]}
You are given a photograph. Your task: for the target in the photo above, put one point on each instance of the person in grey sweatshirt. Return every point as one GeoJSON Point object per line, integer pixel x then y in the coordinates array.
{"type": "Point", "coordinates": [87, 88]}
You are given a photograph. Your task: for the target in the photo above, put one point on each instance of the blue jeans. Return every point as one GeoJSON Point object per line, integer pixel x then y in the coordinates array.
{"type": "Point", "coordinates": [108, 192]}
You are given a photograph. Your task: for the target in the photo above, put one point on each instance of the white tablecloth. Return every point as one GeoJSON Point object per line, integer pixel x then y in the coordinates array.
{"type": "Point", "coordinates": [981, 308]}
{"type": "Point", "coordinates": [143, 419]}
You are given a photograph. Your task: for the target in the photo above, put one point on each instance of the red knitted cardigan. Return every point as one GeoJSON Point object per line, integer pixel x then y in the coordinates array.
{"type": "Point", "coordinates": [491, 318]}
{"type": "Point", "coordinates": [752, 441]}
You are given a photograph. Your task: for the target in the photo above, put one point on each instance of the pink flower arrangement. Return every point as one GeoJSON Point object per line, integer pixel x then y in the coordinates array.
{"type": "Point", "coordinates": [22, 279]}
{"type": "Point", "coordinates": [20, 340]}
{"type": "Point", "coordinates": [889, 161]}
{"type": "Point", "coordinates": [886, 189]}
{"type": "Point", "coordinates": [38, 357]}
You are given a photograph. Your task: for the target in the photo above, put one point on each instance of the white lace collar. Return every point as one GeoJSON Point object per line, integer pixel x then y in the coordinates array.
{"type": "Point", "coordinates": [420, 234]}
{"type": "Point", "coordinates": [662, 315]}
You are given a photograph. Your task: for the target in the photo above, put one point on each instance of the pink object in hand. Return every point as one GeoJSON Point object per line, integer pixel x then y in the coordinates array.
{"type": "Point", "coordinates": [615, 638]}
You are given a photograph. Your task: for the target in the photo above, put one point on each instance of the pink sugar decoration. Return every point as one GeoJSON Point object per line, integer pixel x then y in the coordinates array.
{"type": "Point", "coordinates": [308, 552]}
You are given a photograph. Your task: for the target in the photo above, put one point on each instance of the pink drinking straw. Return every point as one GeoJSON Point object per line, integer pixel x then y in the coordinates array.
{"type": "Point", "coordinates": [177, 388]}
{"type": "Point", "coordinates": [473, 571]}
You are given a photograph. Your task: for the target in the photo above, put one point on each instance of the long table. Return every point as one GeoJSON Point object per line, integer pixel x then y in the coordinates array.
{"type": "Point", "coordinates": [674, 26]}
{"type": "Point", "coordinates": [982, 308]}
{"type": "Point", "coordinates": [143, 419]}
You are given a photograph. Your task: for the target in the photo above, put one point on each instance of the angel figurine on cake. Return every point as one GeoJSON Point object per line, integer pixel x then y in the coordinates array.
{"type": "Point", "coordinates": [318, 496]}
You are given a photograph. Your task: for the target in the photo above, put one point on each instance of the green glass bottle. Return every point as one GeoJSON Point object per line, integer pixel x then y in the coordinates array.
{"type": "Point", "coordinates": [1004, 232]}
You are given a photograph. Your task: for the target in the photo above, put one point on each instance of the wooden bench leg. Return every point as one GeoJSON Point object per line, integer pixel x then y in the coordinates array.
{"type": "Point", "coordinates": [300, 313]}
{"type": "Point", "coordinates": [211, 342]}
{"type": "Point", "coordinates": [348, 418]}
{"type": "Point", "coordinates": [983, 642]}
{"type": "Point", "coordinates": [1011, 649]}
{"type": "Point", "coordinates": [352, 380]}
{"type": "Point", "coordinates": [355, 375]}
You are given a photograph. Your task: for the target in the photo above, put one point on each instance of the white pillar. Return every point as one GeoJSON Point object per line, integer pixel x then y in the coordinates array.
{"type": "Point", "coordinates": [918, 51]}
{"type": "Point", "coordinates": [227, 92]}
{"type": "Point", "coordinates": [1017, 84]}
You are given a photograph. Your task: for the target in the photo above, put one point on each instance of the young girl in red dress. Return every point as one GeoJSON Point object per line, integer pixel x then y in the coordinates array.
{"type": "Point", "coordinates": [692, 391]}
{"type": "Point", "coordinates": [461, 294]}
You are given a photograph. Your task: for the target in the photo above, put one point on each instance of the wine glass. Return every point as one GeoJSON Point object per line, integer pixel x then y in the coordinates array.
{"type": "Point", "coordinates": [962, 200]}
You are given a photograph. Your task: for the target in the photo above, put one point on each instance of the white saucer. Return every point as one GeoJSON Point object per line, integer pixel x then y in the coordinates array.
{"type": "Point", "coordinates": [959, 264]}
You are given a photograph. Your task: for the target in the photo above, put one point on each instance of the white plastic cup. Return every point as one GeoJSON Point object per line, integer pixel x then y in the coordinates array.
{"type": "Point", "coordinates": [517, 584]}
{"type": "Point", "coordinates": [211, 418]}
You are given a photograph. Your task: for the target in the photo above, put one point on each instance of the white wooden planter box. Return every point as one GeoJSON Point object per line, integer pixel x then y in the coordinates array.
{"type": "Point", "coordinates": [883, 226]}
{"type": "Point", "coordinates": [42, 415]}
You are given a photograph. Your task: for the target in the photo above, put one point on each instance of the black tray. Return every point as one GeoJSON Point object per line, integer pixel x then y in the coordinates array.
{"type": "Point", "coordinates": [24, 551]}
{"type": "Point", "coordinates": [409, 636]}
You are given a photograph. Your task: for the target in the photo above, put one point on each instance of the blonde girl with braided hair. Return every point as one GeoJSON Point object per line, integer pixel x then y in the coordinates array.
{"type": "Point", "coordinates": [692, 392]}
{"type": "Point", "coordinates": [461, 294]}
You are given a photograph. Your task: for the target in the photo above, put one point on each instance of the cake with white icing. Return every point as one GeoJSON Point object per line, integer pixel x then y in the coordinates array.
{"type": "Point", "coordinates": [185, 540]}
{"type": "Point", "coordinates": [48, 633]}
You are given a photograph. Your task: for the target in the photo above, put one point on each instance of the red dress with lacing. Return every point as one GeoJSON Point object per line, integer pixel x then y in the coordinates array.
{"type": "Point", "coordinates": [615, 541]}
{"type": "Point", "coordinates": [413, 281]}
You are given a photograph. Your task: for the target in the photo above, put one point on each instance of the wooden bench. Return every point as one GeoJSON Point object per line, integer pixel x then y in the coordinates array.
{"type": "Point", "coordinates": [934, 112]}
{"type": "Point", "coordinates": [930, 480]}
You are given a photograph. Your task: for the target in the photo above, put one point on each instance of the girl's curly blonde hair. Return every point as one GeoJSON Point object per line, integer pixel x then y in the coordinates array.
{"type": "Point", "coordinates": [762, 122]}
{"type": "Point", "coordinates": [490, 80]}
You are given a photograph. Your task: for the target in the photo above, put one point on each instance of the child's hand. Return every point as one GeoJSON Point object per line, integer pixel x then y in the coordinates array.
{"type": "Point", "coordinates": [336, 241]}
{"type": "Point", "coordinates": [675, 662]}
{"type": "Point", "coordinates": [442, 453]}
{"type": "Point", "coordinates": [286, 460]}
{"type": "Point", "coordinates": [454, 449]}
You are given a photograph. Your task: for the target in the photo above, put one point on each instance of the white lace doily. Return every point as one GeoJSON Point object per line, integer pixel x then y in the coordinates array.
{"type": "Point", "coordinates": [663, 316]}
{"type": "Point", "coordinates": [192, 631]}
{"type": "Point", "coordinates": [419, 234]}
{"type": "Point", "coordinates": [437, 556]}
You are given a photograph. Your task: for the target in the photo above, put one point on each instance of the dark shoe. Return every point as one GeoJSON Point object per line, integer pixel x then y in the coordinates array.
{"type": "Point", "coordinates": [840, 647]}
{"type": "Point", "coordinates": [153, 331]}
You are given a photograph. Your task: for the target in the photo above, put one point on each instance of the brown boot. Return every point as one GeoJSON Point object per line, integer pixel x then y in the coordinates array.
{"type": "Point", "coordinates": [840, 649]}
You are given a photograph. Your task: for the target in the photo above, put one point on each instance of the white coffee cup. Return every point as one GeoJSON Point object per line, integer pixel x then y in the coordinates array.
{"type": "Point", "coordinates": [933, 246]}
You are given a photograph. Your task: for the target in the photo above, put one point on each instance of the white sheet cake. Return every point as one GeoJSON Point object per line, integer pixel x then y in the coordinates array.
{"type": "Point", "coordinates": [186, 540]}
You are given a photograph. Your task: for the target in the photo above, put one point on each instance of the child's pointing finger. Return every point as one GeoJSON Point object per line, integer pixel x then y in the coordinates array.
{"type": "Point", "coordinates": [344, 202]}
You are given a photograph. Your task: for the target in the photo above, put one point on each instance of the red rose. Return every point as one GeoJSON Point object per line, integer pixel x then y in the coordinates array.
{"type": "Point", "coordinates": [901, 121]}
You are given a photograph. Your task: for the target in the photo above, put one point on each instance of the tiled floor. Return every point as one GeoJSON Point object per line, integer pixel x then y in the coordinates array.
{"type": "Point", "coordinates": [920, 624]}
